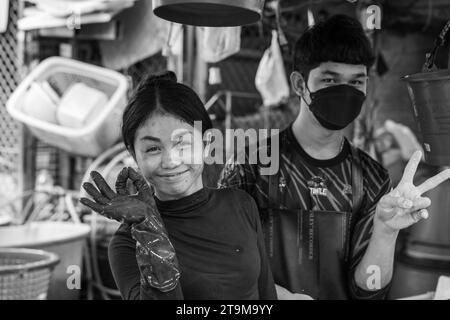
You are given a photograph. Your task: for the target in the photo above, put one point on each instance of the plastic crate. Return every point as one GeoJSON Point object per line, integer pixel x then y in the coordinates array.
{"type": "Point", "coordinates": [100, 133]}
{"type": "Point", "coordinates": [25, 273]}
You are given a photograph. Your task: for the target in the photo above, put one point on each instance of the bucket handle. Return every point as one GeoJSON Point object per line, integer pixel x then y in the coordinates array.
{"type": "Point", "coordinates": [440, 41]}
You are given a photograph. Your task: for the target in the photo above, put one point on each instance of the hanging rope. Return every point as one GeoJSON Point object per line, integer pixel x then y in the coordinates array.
{"type": "Point", "coordinates": [440, 41]}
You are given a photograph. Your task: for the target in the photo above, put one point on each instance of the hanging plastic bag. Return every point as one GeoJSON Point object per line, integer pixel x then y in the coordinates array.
{"type": "Point", "coordinates": [405, 138]}
{"type": "Point", "coordinates": [217, 44]}
{"type": "Point", "coordinates": [174, 42]}
{"type": "Point", "coordinates": [270, 78]}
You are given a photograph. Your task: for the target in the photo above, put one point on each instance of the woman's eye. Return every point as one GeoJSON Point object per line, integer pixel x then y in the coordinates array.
{"type": "Point", "coordinates": [152, 150]}
{"type": "Point", "coordinates": [180, 143]}
{"type": "Point", "coordinates": [184, 143]}
{"type": "Point", "coordinates": [185, 147]}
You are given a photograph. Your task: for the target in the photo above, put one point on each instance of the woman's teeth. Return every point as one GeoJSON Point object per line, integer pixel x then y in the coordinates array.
{"type": "Point", "coordinates": [174, 174]}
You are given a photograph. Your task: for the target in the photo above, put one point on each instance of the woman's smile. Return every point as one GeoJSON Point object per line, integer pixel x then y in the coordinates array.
{"type": "Point", "coordinates": [173, 175]}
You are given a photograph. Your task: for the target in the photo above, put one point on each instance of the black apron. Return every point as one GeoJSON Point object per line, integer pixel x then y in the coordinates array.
{"type": "Point", "coordinates": [309, 249]}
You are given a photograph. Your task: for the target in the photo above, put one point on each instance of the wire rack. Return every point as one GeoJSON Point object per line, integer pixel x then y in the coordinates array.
{"type": "Point", "coordinates": [10, 131]}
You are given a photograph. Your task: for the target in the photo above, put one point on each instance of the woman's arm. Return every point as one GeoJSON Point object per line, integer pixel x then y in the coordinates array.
{"type": "Point", "coordinates": [148, 245]}
{"type": "Point", "coordinates": [124, 267]}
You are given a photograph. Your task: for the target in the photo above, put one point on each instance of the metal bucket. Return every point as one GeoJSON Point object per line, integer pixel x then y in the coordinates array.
{"type": "Point", "coordinates": [430, 97]}
{"type": "Point", "coordinates": [412, 278]}
{"type": "Point", "coordinates": [210, 13]}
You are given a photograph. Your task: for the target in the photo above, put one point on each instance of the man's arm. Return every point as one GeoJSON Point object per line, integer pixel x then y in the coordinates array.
{"type": "Point", "coordinates": [397, 210]}
{"type": "Point", "coordinates": [374, 273]}
{"type": "Point", "coordinates": [369, 249]}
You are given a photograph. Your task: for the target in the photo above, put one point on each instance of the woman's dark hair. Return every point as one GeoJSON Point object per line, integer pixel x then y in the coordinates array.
{"type": "Point", "coordinates": [338, 39]}
{"type": "Point", "coordinates": [162, 93]}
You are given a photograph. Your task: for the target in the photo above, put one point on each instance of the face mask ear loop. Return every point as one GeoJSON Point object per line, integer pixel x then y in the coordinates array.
{"type": "Point", "coordinates": [303, 98]}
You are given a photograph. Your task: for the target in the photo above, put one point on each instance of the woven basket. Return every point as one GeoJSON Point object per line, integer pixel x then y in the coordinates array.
{"type": "Point", "coordinates": [25, 273]}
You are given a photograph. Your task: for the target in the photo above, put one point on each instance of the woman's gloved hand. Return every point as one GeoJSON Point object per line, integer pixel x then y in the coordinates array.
{"type": "Point", "coordinates": [120, 206]}
{"type": "Point", "coordinates": [155, 253]}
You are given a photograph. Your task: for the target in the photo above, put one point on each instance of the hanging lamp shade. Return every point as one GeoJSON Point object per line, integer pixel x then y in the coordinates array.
{"type": "Point", "coordinates": [210, 13]}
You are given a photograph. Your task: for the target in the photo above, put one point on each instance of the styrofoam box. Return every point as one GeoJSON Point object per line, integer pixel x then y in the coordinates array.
{"type": "Point", "coordinates": [100, 133]}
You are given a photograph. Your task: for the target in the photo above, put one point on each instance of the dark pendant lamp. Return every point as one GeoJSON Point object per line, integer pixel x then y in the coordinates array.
{"type": "Point", "coordinates": [210, 13]}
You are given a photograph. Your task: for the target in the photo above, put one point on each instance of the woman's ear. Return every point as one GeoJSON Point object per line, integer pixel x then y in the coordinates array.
{"type": "Point", "coordinates": [297, 83]}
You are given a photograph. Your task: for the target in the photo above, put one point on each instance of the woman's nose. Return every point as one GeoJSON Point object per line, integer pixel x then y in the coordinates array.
{"type": "Point", "coordinates": [170, 159]}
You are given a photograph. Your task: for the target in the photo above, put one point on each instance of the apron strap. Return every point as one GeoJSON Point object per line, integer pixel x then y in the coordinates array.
{"type": "Point", "coordinates": [357, 196]}
{"type": "Point", "coordinates": [357, 181]}
{"type": "Point", "coordinates": [274, 179]}
{"type": "Point", "coordinates": [273, 191]}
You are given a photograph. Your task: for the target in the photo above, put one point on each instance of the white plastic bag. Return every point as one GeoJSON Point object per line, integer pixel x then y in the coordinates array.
{"type": "Point", "coordinates": [270, 78]}
{"type": "Point", "coordinates": [217, 44]}
{"type": "Point", "coordinates": [405, 138]}
{"type": "Point", "coordinates": [174, 42]}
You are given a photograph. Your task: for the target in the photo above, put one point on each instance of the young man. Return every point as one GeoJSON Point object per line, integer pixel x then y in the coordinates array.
{"type": "Point", "coordinates": [330, 216]}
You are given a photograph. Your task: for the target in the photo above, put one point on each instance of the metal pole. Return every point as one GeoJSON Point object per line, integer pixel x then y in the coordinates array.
{"type": "Point", "coordinates": [228, 115]}
{"type": "Point", "coordinates": [190, 55]}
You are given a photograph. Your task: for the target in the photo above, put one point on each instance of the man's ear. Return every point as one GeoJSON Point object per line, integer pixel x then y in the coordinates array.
{"type": "Point", "coordinates": [297, 83]}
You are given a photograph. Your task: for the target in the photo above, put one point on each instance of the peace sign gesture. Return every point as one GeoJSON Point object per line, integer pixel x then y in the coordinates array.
{"type": "Point", "coordinates": [404, 205]}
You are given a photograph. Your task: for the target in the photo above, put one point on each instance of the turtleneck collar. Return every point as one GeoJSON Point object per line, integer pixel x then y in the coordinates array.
{"type": "Point", "coordinates": [186, 206]}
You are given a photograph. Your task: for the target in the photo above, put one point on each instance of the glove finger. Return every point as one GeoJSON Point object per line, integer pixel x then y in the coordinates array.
{"type": "Point", "coordinates": [92, 205]}
{"type": "Point", "coordinates": [138, 181]}
{"type": "Point", "coordinates": [102, 185]}
{"type": "Point", "coordinates": [95, 194]}
{"type": "Point", "coordinates": [130, 218]}
{"type": "Point", "coordinates": [121, 182]}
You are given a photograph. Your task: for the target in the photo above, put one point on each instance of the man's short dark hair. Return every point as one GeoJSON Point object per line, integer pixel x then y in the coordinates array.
{"type": "Point", "coordinates": [339, 39]}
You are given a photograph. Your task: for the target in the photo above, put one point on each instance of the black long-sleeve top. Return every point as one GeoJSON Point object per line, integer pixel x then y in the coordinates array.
{"type": "Point", "coordinates": [219, 243]}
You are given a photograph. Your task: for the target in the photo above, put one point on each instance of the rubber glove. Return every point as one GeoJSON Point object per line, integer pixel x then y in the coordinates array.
{"type": "Point", "coordinates": [155, 253]}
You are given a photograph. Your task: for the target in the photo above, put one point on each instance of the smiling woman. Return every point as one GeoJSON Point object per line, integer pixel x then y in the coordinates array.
{"type": "Point", "coordinates": [215, 234]}
{"type": "Point", "coordinates": [164, 145]}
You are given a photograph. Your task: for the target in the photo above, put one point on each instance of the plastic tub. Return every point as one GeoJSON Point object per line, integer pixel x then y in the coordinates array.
{"type": "Point", "coordinates": [100, 133]}
{"type": "Point", "coordinates": [66, 240]}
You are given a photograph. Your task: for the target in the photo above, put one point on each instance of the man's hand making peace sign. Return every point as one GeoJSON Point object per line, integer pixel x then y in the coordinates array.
{"type": "Point", "coordinates": [405, 205]}
{"type": "Point", "coordinates": [399, 209]}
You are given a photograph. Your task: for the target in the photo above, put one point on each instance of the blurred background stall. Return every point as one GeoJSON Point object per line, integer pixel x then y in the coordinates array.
{"type": "Point", "coordinates": [56, 53]}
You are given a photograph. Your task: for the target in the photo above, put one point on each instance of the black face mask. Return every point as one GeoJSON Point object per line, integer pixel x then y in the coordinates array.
{"type": "Point", "coordinates": [336, 107]}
